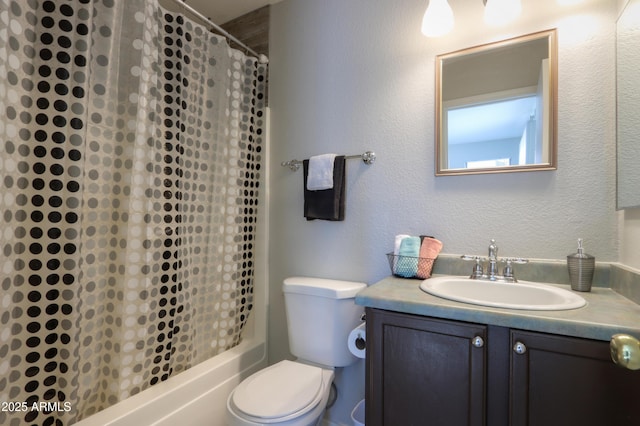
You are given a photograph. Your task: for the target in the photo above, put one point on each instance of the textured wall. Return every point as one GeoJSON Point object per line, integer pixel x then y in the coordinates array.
{"type": "Point", "coordinates": [351, 76]}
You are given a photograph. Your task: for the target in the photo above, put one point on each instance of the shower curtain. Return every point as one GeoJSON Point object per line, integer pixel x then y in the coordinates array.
{"type": "Point", "coordinates": [130, 157]}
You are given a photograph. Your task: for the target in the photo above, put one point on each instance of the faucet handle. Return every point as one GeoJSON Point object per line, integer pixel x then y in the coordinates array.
{"type": "Point", "coordinates": [469, 257]}
{"type": "Point", "coordinates": [508, 269]}
{"type": "Point", "coordinates": [518, 260]}
{"type": "Point", "coordinates": [507, 273]}
{"type": "Point", "coordinates": [477, 268]}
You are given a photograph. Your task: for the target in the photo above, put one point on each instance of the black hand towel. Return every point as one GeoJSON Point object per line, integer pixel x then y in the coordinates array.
{"type": "Point", "coordinates": [326, 204]}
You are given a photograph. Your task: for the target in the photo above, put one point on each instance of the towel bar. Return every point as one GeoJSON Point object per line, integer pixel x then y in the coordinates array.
{"type": "Point", "coordinates": [367, 157]}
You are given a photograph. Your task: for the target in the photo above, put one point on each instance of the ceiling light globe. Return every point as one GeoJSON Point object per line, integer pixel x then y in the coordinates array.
{"type": "Point", "coordinates": [438, 19]}
{"type": "Point", "coordinates": [501, 12]}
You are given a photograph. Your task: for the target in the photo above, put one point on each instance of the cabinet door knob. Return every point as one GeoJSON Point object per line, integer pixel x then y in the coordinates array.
{"type": "Point", "coordinates": [519, 348]}
{"type": "Point", "coordinates": [625, 351]}
{"type": "Point", "coordinates": [477, 341]}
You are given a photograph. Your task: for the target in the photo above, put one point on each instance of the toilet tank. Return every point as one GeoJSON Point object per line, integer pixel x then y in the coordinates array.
{"type": "Point", "coordinates": [320, 315]}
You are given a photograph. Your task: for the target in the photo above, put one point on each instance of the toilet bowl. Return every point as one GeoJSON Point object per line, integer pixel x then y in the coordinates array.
{"type": "Point", "coordinates": [320, 315]}
{"type": "Point", "coordinates": [285, 394]}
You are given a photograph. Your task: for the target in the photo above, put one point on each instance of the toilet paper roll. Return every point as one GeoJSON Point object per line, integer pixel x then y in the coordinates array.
{"type": "Point", "coordinates": [357, 341]}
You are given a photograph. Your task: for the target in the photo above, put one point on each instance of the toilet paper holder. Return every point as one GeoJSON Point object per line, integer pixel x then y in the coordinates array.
{"type": "Point", "coordinates": [357, 340]}
{"type": "Point", "coordinates": [360, 342]}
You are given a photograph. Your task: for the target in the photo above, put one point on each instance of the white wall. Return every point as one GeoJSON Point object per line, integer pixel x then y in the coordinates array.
{"type": "Point", "coordinates": [357, 75]}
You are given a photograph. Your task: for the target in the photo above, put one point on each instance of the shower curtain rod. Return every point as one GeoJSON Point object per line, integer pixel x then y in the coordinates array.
{"type": "Point", "coordinates": [262, 58]}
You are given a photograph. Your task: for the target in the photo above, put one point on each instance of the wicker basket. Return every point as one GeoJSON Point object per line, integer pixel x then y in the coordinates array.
{"type": "Point", "coordinates": [410, 267]}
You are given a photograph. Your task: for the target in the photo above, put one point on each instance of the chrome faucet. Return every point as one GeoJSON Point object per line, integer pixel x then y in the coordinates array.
{"type": "Point", "coordinates": [492, 270]}
{"type": "Point", "coordinates": [492, 266]}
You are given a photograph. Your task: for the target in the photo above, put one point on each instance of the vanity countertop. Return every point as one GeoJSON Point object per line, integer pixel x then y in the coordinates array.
{"type": "Point", "coordinates": [605, 314]}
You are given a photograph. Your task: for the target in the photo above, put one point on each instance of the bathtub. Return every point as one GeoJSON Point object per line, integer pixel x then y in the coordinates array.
{"type": "Point", "coordinates": [195, 397]}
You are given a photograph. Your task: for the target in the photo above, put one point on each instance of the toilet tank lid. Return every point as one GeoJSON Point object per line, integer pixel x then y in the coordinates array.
{"type": "Point", "coordinates": [333, 289]}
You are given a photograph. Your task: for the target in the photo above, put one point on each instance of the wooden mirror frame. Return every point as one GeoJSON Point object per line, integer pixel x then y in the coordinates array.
{"type": "Point", "coordinates": [550, 114]}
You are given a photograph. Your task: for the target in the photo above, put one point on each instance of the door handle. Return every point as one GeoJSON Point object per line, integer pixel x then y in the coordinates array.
{"type": "Point", "coordinates": [625, 351]}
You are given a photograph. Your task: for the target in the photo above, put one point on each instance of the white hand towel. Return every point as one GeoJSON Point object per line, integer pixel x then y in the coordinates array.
{"type": "Point", "coordinates": [320, 174]}
{"type": "Point", "coordinates": [398, 241]}
{"type": "Point", "coordinates": [396, 249]}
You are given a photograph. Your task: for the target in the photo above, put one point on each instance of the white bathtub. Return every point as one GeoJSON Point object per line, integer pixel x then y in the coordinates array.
{"type": "Point", "coordinates": [194, 397]}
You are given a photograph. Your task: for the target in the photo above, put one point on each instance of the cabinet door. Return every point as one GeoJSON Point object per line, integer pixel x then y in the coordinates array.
{"type": "Point", "coordinates": [423, 371]}
{"type": "Point", "coordinates": [561, 381]}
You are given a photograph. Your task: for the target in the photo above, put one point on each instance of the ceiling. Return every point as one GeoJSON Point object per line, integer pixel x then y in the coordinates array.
{"type": "Point", "coordinates": [221, 11]}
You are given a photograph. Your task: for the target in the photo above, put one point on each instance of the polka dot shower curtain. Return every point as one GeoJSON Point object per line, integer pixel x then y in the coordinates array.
{"type": "Point", "coordinates": [130, 152]}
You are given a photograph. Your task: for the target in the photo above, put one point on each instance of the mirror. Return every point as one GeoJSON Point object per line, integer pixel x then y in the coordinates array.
{"type": "Point", "coordinates": [628, 105]}
{"type": "Point", "coordinates": [496, 107]}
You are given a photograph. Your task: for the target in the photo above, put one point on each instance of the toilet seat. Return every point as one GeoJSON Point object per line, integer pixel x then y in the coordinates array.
{"type": "Point", "coordinates": [278, 393]}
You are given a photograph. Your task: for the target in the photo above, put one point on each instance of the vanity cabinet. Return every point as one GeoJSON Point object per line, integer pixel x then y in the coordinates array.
{"type": "Point", "coordinates": [429, 372]}
{"type": "Point", "coordinates": [423, 372]}
{"type": "Point", "coordinates": [559, 380]}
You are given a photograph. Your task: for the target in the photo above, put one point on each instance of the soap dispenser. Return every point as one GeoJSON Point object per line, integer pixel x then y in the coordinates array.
{"type": "Point", "coordinates": [581, 267]}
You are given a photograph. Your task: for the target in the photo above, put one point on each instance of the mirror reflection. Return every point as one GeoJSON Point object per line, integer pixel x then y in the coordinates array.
{"type": "Point", "coordinates": [628, 105]}
{"type": "Point", "coordinates": [495, 107]}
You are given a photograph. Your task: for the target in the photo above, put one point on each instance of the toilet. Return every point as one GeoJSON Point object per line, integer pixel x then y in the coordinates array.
{"type": "Point", "coordinates": [320, 315]}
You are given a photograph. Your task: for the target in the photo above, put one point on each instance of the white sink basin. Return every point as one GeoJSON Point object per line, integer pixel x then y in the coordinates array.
{"type": "Point", "coordinates": [520, 295]}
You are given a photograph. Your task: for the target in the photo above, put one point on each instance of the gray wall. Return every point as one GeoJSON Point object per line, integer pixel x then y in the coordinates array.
{"type": "Point", "coordinates": [357, 75]}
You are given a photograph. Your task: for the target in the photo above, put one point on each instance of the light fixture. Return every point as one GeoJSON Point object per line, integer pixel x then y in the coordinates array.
{"type": "Point", "coordinates": [438, 19]}
{"type": "Point", "coordinates": [500, 12]}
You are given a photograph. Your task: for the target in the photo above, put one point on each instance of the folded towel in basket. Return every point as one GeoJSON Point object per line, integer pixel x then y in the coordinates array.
{"type": "Point", "coordinates": [320, 173]}
{"type": "Point", "coordinates": [396, 249]}
{"type": "Point", "coordinates": [429, 249]}
{"type": "Point", "coordinates": [398, 241]}
{"type": "Point", "coordinates": [407, 264]}
{"type": "Point", "coordinates": [326, 204]}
